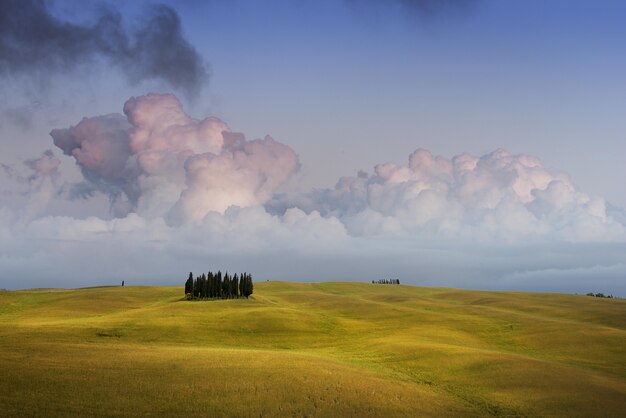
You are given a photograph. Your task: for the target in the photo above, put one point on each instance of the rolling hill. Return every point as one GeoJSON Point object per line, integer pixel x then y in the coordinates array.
{"type": "Point", "coordinates": [311, 349]}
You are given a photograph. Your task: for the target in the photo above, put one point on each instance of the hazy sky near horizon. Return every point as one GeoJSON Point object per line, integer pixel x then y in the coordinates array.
{"type": "Point", "coordinates": [468, 143]}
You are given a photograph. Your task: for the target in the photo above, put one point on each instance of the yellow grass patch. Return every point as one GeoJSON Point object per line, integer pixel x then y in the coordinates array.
{"type": "Point", "coordinates": [311, 349]}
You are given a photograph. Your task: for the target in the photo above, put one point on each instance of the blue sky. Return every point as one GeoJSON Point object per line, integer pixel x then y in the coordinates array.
{"type": "Point", "coordinates": [543, 78]}
{"type": "Point", "coordinates": [346, 86]}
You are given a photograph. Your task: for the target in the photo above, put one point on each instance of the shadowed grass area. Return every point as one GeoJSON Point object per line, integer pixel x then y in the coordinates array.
{"type": "Point", "coordinates": [311, 349]}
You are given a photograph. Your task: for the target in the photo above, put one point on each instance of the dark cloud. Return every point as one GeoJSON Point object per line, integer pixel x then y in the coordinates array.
{"type": "Point", "coordinates": [34, 41]}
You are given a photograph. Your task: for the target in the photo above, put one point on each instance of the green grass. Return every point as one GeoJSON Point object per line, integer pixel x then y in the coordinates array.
{"type": "Point", "coordinates": [311, 349]}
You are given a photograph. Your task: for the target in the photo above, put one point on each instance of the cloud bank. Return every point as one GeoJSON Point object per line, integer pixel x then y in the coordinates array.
{"type": "Point", "coordinates": [188, 194]}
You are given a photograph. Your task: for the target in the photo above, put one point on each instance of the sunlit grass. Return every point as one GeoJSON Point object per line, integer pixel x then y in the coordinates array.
{"type": "Point", "coordinates": [311, 349]}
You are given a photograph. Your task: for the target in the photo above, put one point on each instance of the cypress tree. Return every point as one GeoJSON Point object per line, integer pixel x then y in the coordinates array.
{"type": "Point", "coordinates": [235, 286]}
{"type": "Point", "coordinates": [196, 287]}
{"type": "Point", "coordinates": [210, 284]}
{"type": "Point", "coordinates": [218, 285]}
{"type": "Point", "coordinates": [189, 284]}
{"type": "Point", "coordinates": [205, 290]}
{"type": "Point", "coordinates": [226, 286]}
{"type": "Point", "coordinates": [248, 287]}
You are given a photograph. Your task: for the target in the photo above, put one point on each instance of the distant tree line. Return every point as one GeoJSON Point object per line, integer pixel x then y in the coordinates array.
{"type": "Point", "coordinates": [386, 281]}
{"type": "Point", "coordinates": [216, 286]}
{"type": "Point", "coordinates": [599, 295]}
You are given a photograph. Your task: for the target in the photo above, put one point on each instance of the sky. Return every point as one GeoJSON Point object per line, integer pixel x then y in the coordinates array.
{"type": "Point", "coordinates": [460, 143]}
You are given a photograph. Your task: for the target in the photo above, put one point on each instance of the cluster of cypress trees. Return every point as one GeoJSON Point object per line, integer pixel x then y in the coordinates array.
{"type": "Point", "coordinates": [216, 286]}
{"type": "Point", "coordinates": [599, 295]}
{"type": "Point", "coordinates": [386, 281]}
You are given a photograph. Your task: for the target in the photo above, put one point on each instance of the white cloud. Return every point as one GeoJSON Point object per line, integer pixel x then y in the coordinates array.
{"type": "Point", "coordinates": [494, 197]}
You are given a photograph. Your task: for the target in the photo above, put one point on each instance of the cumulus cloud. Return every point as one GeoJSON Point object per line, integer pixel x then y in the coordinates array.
{"type": "Point", "coordinates": [157, 161]}
{"type": "Point", "coordinates": [244, 174]}
{"type": "Point", "coordinates": [495, 196]}
{"type": "Point", "coordinates": [34, 40]}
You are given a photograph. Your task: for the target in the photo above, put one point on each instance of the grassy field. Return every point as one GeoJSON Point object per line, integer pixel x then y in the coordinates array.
{"type": "Point", "coordinates": [311, 349]}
